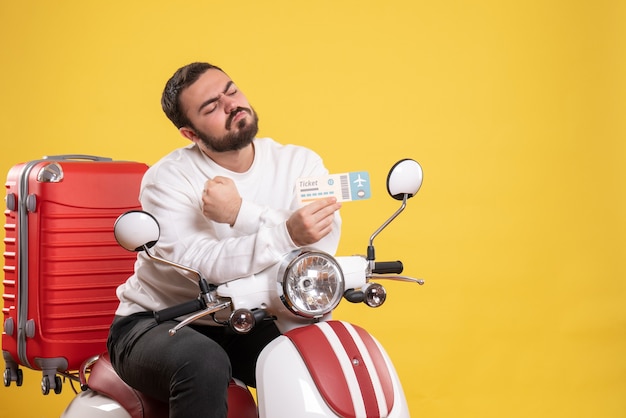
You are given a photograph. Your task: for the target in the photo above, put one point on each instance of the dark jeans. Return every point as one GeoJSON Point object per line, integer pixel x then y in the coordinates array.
{"type": "Point", "coordinates": [190, 370]}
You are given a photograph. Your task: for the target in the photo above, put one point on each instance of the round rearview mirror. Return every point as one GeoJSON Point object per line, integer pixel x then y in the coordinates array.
{"type": "Point", "coordinates": [136, 230]}
{"type": "Point", "coordinates": [405, 178]}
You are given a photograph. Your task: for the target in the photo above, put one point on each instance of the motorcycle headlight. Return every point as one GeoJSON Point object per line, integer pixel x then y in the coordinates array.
{"type": "Point", "coordinates": [312, 283]}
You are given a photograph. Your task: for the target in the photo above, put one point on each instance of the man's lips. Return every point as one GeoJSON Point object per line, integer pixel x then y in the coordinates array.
{"type": "Point", "coordinates": [236, 115]}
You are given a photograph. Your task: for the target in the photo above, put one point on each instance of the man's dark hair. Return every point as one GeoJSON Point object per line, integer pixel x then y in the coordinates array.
{"type": "Point", "coordinates": [182, 78]}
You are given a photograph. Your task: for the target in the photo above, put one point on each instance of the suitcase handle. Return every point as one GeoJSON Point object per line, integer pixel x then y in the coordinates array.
{"type": "Point", "coordinates": [77, 157]}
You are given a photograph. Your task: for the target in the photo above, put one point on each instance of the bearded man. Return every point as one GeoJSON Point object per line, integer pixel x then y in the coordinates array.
{"type": "Point", "coordinates": [227, 207]}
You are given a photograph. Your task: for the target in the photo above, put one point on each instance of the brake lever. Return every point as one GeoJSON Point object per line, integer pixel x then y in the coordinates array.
{"type": "Point", "coordinates": [397, 278]}
{"type": "Point", "coordinates": [208, 311]}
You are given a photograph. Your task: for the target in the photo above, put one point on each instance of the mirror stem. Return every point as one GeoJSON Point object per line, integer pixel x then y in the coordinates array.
{"type": "Point", "coordinates": [371, 256]}
{"type": "Point", "coordinates": [205, 287]}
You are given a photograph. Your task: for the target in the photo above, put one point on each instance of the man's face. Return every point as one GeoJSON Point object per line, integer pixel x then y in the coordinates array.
{"type": "Point", "coordinates": [220, 115]}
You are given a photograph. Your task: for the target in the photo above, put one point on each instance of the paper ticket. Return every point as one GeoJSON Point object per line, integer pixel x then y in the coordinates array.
{"type": "Point", "coordinates": [344, 186]}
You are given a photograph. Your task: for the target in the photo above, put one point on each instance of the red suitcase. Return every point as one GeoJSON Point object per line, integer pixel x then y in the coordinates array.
{"type": "Point", "coordinates": [61, 261]}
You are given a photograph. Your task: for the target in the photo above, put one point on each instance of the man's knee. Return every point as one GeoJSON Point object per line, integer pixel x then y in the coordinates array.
{"type": "Point", "coordinates": [205, 367]}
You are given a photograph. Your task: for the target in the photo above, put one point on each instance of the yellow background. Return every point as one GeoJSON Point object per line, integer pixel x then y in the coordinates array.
{"type": "Point", "coordinates": [515, 109]}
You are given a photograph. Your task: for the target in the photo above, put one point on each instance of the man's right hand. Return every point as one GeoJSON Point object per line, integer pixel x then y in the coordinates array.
{"type": "Point", "coordinates": [312, 222]}
{"type": "Point", "coordinates": [221, 200]}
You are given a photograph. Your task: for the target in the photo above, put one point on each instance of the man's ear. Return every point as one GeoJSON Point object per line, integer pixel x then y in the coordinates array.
{"type": "Point", "coordinates": [189, 133]}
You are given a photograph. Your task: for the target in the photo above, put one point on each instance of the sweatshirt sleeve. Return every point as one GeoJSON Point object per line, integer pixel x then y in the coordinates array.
{"type": "Point", "coordinates": [252, 215]}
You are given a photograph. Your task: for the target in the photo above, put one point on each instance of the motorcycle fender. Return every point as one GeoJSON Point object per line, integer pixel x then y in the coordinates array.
{"type": "Point", "coordinates": [94, 405]}
{"type": "Point", "coordinates": [329, 369]}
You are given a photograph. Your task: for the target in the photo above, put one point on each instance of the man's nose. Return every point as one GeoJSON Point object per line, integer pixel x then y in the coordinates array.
{"type": "Point", "coordinates": [229, 103]}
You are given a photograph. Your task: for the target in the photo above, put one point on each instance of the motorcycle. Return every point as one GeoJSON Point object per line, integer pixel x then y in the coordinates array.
{"type": "Point", "coordinates": [318, 367]}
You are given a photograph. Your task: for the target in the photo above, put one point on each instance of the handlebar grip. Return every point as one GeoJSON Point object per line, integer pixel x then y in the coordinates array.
{"type": "Point", "coordinates": [354, 296]}
{"type": "Point", "coordinates": [179, 310]}
{"type": "Point", "coordinates": [388, 267]}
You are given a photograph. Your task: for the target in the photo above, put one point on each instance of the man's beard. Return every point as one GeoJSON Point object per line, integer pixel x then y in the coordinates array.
{"type": "Point", "coordinates": [234, 140]}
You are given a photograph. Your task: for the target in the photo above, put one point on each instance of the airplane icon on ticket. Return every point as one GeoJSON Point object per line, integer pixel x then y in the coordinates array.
{"type": "Point", "coordinates": [359, 181]}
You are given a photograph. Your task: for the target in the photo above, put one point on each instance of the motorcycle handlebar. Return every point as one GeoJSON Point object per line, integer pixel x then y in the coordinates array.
{"type": "Point", "coordinates": [179, 310]}
{"type": "Point", "coordinates": [388, 267]}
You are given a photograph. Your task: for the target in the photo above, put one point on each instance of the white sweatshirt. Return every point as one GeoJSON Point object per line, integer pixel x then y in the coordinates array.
{"type": "Point", "coordinates": [171, 190]}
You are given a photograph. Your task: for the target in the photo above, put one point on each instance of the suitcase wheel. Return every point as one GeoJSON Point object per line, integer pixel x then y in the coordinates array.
{"type": "Point", "coordinates": [10, 376]}
{"type": "Point", "coordinates": [46, 385]}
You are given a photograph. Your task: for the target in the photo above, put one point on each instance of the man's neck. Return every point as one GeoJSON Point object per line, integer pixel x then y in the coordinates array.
{"type": "Point", "coordinates": [238, 161]}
